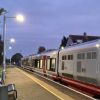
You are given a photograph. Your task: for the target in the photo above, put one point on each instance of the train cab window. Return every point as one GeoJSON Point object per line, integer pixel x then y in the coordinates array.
{"type": "Point", "coordinates": [94, 55]}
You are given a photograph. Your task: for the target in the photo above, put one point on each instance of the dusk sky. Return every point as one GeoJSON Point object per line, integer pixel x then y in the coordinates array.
{"type": "Point", "coordinates": [47, 21]}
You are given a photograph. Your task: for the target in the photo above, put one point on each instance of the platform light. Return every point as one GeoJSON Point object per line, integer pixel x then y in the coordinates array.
{"type": "Point", "coordinates": [12, 40]}
{"type": "Point", "coordinates": [97, 45]}
{"type": "Point", "coordinates": [9, 47]}
{"type": "Point", "coordinates": [20, 18]}
{"type": "Point", "coordinates": [62, 48]}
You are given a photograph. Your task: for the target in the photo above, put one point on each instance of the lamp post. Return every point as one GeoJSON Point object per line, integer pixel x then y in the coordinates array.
{"type": "Point", "coordinates": [19, 18]}
{"type": "Point", "coordinates": [4, 48]}
{"type": "Point", "coordinates": [10, 57]}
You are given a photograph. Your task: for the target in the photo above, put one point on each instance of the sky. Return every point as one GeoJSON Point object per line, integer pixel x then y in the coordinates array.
{"type": "Point", "coordinates": [47, 21]}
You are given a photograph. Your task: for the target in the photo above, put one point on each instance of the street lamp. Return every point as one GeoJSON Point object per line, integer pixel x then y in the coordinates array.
{"type": "Point", "coordinates": [12, 40]}
{"type": "Point", "coordinates": [20, 18]}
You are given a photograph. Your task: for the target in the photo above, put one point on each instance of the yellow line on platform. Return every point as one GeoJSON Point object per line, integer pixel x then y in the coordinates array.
{"type": "Point", "coordinates": [55, 92]}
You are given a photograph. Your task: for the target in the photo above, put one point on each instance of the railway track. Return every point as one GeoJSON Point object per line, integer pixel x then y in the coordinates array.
{"type": "Point", "coordinates": [76, 94]}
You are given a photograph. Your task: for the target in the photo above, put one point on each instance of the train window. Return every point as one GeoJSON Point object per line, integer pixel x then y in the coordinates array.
{"type": "Point", "coordinates": [33, 63]}
{"type": "Point", "coordinates": [38, 64]}
{"type": "Point", "coordinates": [48, 64]}
{"type": "Point", "coordinates": [79, 66]}
{"type": "Point", "coordinates": [65, 57]}
{"type": "Point", "coordinates": [41, 63]}
{"type": "Point", "coordinates": [78, 56]}
{"type": "Point", "coordinates": [89, 55]}
{"type": "Point", "coordinates": [62, 65]}
{"type": "Point", "coordinates": [81, 56]}
{"type": "Point", "coordinates": [62, 57]}
{"type": "Point", "coordinates": [52, 64]}
{"type": "Point", "coordinates": [94, 55]}
{"type": "Point", "coordinates": [70, 57]}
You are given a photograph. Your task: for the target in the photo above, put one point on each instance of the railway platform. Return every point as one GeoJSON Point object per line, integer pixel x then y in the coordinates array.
{"type": "Point", "coordinates": [30, 88]}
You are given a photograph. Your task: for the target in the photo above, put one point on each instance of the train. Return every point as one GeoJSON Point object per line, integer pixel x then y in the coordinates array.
{"type": "Point", "coordinates": [77, 66]}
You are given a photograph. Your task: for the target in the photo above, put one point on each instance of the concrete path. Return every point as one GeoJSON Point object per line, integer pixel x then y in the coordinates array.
{"type": "Point", "coordinates": [26, 88]}
{"type": "Point", "coordinates": [31, 88]}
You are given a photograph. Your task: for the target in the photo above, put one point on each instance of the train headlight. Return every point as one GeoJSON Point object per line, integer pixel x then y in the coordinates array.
{"type": "Point", "coordinates": [97, 45]}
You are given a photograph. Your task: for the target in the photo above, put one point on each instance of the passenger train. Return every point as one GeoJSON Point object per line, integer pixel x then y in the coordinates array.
{"type": "Point", "coordinates": [77, 66]}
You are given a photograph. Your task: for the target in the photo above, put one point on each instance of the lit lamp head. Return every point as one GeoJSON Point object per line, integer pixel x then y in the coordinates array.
{"type": "Point", "coordinates": [62, 48]}
{"type": "Point", "coordinates": [10, 48]}
{"type": "Point", "coordinates": [12, 40]}
{"type": "Point", "coordinates": [20, 18]}
{"type": "Point", "coordinates": [97, 45]}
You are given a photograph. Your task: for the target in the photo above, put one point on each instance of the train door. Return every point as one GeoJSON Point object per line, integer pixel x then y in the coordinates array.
{"type": "Point", "coordinates": [36, 63]}
{"type": "Point", "coordinates": [80, 66]}
{"type": "Point", "coordinates": [52, 64]}
{"type": "Point", "coordinates": [48, 64]}
{"type": "Point", "coordinates": [44, 64]}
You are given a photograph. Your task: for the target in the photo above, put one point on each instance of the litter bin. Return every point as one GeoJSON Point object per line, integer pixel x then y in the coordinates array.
{"type": "Point", "coordinates": [3, 92]}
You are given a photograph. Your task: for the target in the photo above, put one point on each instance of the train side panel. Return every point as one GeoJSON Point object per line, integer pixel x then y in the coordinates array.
{"type": "Point", "coordinates": [80, 64]}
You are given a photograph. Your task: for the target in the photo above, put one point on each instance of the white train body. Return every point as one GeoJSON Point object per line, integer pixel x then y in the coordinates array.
{"type": "Point", "coordinates": [77, 66]}
{"type": "Point", "coordinates": [45, 63]}
{"type": "Point", "coordinates": [81, 62]}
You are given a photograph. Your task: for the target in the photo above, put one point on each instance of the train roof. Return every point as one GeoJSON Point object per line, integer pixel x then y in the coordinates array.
{"type": "Point", "coordinates": [89, 44]}
{"type": "Point", "coordinates": [48, 53]}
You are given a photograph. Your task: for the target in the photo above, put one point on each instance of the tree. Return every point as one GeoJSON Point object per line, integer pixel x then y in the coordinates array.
{"type": "Point", "coordinates": [2, 10]}
{"type": "Point", "coordinates": [16, 58]}
{"type": "Point", "coordinates": [41, 49]}
{"type": "Point", "coordinates": [63, 42]}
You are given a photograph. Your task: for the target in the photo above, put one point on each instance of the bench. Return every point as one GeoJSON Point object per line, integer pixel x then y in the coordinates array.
{"type": "Point", "coordinates": [8, 92]}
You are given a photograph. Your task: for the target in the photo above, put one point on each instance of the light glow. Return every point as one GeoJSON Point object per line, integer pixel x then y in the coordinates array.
{"type": "Point", "coordinates": [12, 40]}
{"type": "Point", "coordinates": [97, 45]}
{"type": "Point", "coordinates": [20, 18]}
{"type": "Point", "coordinates": [10, 48]}
{"type": "Point", "coordinates": [62, 48]}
